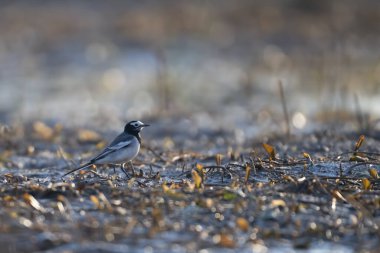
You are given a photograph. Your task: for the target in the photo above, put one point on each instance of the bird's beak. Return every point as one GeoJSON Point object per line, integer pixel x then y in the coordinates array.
{"type": "Point", "coordinates": [145, 125]}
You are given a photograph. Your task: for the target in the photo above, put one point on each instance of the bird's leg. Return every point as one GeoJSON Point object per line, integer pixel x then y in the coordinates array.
{"type": "Point", "coordinates": [133, 168]}
{"type": "Point", "coordinates": [125, 172]}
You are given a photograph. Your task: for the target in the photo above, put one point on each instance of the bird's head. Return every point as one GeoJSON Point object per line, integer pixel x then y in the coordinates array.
{"type": "Point", "coordinates": [134, 127]}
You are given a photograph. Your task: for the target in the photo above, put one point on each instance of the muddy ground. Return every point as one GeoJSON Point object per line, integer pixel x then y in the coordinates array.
{"type": "Point", "coordinates": [317, 191]}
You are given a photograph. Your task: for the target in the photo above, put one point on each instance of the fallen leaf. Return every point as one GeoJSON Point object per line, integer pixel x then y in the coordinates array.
{"type": "Point", "coordinates": [29, 199]}
{"type": "Point", "coordinates": [197, 179]}
{"type": "Point", "coordinates": [95, 200]}
{"type": "Point", "coordinates": [224, 240]}
{"type": "Point", "coordinates": [165, 188]}
{"type": "Point", "coordinates": [172, 193]}
{"type": "Point", "coordinates": [58, 128]}
{"type": "Point", "coordinates": [289, 178]}
{"type": "Point", "coordinates": [277, 202]}
{"type": "Point", "coordinates": [88, 136]}
{"type": "Point", "coordinates": [218, 159]}
{"type": "Point", "coordinates": [270, 150]}
{"type": "Point", "coordinates": [43, 131]}
{"type": "Point", "coordinates": [101, 144]}
{"type": "Point", "coordinates": [373, 173]}
{"type": "Point", "coordinates": [131, 182]}
{"type": "Point", "coordinates": [30, 150]}
{"type": "Point", "coordinates": [205, 202]}
{"type": "Point", "coordinates": [247, 173]}
{"type": "Point", "coordinates": [357, 158]}
{"type": "Point", "coordinates": [366, 184]}
{"type": "Point", "coordinates": [308, 157]}
{"type": "Point", "coordinates": [359, 143]}
{"type": "Point", "coordinates": [168, 143]}
{"type": "Point", "coordinates": [4, 156]}
{"type": "Point", "coordinates": [242, 223]}
{"type": "Point", "coordinates": [338, 195]}
{"type": "Point", "coordinates": [13, 215]}
{"type": "Point", "coordinates": [106, 202]}
{"type": "Point", "coordinates": [8, 198]}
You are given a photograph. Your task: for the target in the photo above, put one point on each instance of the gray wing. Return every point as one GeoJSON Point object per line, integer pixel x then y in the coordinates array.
{"type": "Point", "coordinates": [121, 141]}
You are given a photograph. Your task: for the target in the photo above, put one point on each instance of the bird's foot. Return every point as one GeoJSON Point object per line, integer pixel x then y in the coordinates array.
{"type": "Point", "coordinates": [125, 172]}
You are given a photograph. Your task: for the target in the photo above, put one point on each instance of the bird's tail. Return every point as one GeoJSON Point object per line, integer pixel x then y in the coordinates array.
{"type": "Point", "coordinates": [81, 167]}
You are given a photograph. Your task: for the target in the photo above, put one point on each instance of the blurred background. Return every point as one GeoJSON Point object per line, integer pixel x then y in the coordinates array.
{"type": "Point", "coordinates": [214, 63]}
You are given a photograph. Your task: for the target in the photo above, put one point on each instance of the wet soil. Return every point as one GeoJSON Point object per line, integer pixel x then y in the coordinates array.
{"type": "Point", "coordinates": [316, 191]}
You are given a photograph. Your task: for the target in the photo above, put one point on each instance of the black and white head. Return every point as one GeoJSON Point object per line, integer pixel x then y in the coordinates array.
{"type": "Point", "coordinates": [134, 127]}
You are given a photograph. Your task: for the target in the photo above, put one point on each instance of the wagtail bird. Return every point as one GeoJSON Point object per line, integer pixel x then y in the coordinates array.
{"type": "Point", "coordinates": [123, 149]}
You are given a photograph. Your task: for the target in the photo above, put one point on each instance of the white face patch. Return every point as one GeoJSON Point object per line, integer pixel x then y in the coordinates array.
{"type": "Point", "coordinates": [137, 124]}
